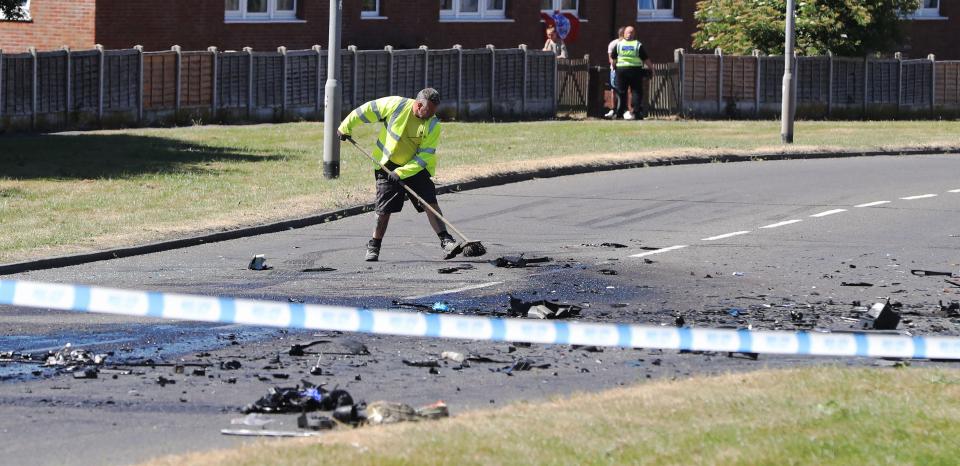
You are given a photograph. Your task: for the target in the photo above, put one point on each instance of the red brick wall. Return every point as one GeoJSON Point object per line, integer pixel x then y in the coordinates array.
{"type": "Point", "coordinates": [939, 37]}
{"type": "Point", "coordinates": [54, 23]}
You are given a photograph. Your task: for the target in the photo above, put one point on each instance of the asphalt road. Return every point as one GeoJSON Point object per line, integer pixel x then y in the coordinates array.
{"type": "Point", "coordinates": [766, 238]}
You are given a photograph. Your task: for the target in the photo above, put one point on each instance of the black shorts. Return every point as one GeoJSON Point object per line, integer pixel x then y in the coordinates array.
{"type": "Point", "coordinates": [390, 195]}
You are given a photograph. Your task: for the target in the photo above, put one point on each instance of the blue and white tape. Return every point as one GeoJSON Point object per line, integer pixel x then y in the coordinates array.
{"type": "Point", "coordinates": [321, 317]}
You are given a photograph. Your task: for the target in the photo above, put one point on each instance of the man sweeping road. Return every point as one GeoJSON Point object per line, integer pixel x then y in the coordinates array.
{"type": "Point", "coordinates": [407, 147]}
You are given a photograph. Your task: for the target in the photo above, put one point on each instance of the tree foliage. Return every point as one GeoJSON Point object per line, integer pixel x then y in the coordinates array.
{"type": "Point", "coordinates": [11, 9]}
{"type": "Point", "coordinates": [844, 27]}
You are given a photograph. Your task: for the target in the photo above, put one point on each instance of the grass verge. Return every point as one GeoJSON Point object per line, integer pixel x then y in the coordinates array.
{"type": "Point", "coordinates": [76, 192]}
{"type": "Point", "coordinates": [820, 415]}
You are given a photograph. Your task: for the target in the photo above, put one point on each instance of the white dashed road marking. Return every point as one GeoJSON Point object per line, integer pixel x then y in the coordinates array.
{"type": "Point", "coordinates": [954, 191]}
{"type": "Point", "coordinates": [922, 196]}
{"type": "Point", "coordinates": [736, 233]}
{"type": "Point", "coordinates": [780, 224]}
{"type": "Point", "coordinates": [871, 204]}
{"type": "Point", "coordinates": [466, 288]}
{"type": "Point", "coordinates": [829, 212]}
{"type": "Point", "coordinates": [658, 251]}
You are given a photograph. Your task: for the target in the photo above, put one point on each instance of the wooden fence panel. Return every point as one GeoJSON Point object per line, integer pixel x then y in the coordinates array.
{"type": "Point", "coordinates": [813, 80]}
{"type": "Point", "coordinates": [17, 84]}
{"type": "Point", "coordinates": [121, 80]}
{"type": "Point", "coordinates": [159, 81]}
{"type": "Point", "coordinates": [196, 79]}
{"type": "Point", "coordinates": [409, 68]}
{"type": "Point", "coordinates": [701, 74]}
{"type": "Point", "coordinates": [302, 79]}
{"type": "Point", "coordinates": [52, 82]}
{"type": "Point", "coordinates": [739, 78]}
{"type": "Point", "coordinates": [947, 84]}
{"type": "Point", "coordinates": [848, 81]}
{"type": "Point", "coordinates": [915, 82]}
{"type": "Point", "coordinates": [883, 81]}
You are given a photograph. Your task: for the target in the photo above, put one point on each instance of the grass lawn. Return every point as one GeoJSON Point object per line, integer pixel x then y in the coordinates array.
{"type": "Point", "coordinates": [66, 193]}
{"type": "Point", "coordinates": [819, 415]}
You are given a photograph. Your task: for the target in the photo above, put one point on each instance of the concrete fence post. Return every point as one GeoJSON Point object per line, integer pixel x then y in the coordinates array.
{"type": "Point", "coordinates": [283, 82]}
{"type": "Point", "coordinates": [866, 84]}
{"type": "Point", "coordinates": [493, 79]}
{"type": "Point", "coordinates": [526, 79]}
{"type": "Point", "coordinates": [899, 57]}
{"type": "Point", "coordinates": [390, 66]}
{"type": "Point", "coordinates": [139, 49]}
{"type": "Point", "coordinates": [249, 52]}
{"type": "Point", "coordinates": [68, 82]}
{"type": "Point", "coordinates": [679, 58]}
{"type": "Point", "coordinates": [214, 86]}
{"type": "Point", "coordinates": [100, 84]}
{"type": "Point", "coordinates": [756, 83]}
{"type": "Point", "coordinates": [178, 66]}
{"type": "Point", "coordinates": [426, 66]}
{"type": "Point", "coordinates": [319, 102]}
{"type": "Point", "coordinates": [829, 83]}
{"type": "Point", "coordinates": [719, 53]}
{"type": "Point", "coordinates": [459, 49]}
{"type": "Point", "coordinates": [1, 82]}
{"type": "Point", "coordinates": [355, 75]}
{"type": "Point", "coordinates": [933, 81]}
{"type": "Point", "coordinates": [34, 91]}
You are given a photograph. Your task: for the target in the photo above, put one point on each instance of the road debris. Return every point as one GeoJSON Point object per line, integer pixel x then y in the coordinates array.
{"type": "Point", "coordinates": [863, 284]}
{"type": "Point", "coordinates": [252, 420]}
{"type": "Point", "coordinates": [298, 349]}
{"type": "Point", "coordinates": [309, 421]}
{"type": "Point", "coordinates": [880, 316]}
{"type": "Point", "coordinates": [267, 433]}
{"type": "Point", "coordinates": [387, 412]}
{"type": "Point", "coordinates": [422, 363]}
{"type": "Point", "coordinates": [70, 358]}
{"type": "Point", "coordinates": [259, 262]}
{"type": "Point", "coordinates": [522, 364]}
{"type": "Point", "coordinates": [518, 261]}
{"type": "Point", "coordinates": [929, 273]}
{"type": "Point", "coordinates": [454, 269]}
{"type": "Point", "coordinates": [542, 309]}
{"type": "Point", "coordinates": [952, 310]}
{"type": "Point", "coordinates": [318, 269]}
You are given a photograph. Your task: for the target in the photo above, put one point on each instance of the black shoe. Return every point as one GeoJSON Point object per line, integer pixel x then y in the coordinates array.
{"type": "Point", "coordinates": [373, 251]}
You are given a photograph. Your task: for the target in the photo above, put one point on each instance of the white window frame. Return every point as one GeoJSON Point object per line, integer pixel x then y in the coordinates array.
{"type": "Point", "coordinates": [558, 3]}
{"type": "Point", "coordinates": [655, 14]}
{"type": "Point", "coordinates": [26, 13]}
{"type": "Point", "coordinates": [371, 14]}
{"type": "Point", "coordinates": [271, 15]}
{"type": "Point", "coordinates": [927, 13]}
{"type": "Point", "coordinates": [484, 12]}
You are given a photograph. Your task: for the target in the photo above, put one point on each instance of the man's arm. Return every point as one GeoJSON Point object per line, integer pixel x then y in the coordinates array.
{"type": "Point", "coordinates": [426, 156]}
{"type": "Point", "coordinates": [369, 112]}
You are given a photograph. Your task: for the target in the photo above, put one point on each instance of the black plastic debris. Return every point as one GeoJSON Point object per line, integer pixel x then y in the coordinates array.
{"type": "Point", "coordinates": [306, 421]}
{"type": "Point", "coordinates": [796, 316]}
{"type": "Point", "coordinates": [679, 321]}
{"type": "Point", "coordinates": [85, 373]}
{"type": "Point", "coordinates": [864, 284]}
{"type": "Point", "coordinates": [518, 261]}
{"type": "Point", "coordinates": [542, 309]}
{"type": "Point", "coordinates": [423, 363]}
{"type": "Point", "coordinates": [522, 364]}
{"type": "Point", "coordinates": [952, 310]}
{"type": "Point", "coordinates": [929, 273]}
{"type": "Point", "coordinates": [605, 245]}
{"type": "Point", "coordinates": [354, 347]}
{"type": "Point", "coordinates": [454, 269]}
{"type": "Point", "coordinates": [298, 349]}
{"type": "Point", "coordinates": [163, 381]}
{"type": "Point", "coordinates": [296, 399]}
{"type": "Point", "coordinates": [607, 272]}
{"type": "Point", "coordinates": [880, 316]}
{"type": "Point", "coordinates": [319, 269]}
{"type": "Point", "coordinates": [352, 415]}
{"type": "Point", "coordinates": [737, 354]}
{"type": "Point", "coordinates": [231, 365]}
{"type": "Point", "coordinates": [259, 262]}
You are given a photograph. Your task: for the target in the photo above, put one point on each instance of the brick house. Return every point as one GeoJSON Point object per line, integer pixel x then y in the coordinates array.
{"type": "Point", "coordinates": [663, 25]}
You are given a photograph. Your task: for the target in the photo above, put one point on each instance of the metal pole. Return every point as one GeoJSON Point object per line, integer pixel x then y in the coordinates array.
{"type": "Point", "coordinates": [789, 98]}
{"type": "Point", "coordinates": [331, 98]}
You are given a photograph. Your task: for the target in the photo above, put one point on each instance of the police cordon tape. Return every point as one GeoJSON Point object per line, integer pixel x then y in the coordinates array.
{"type": "Point", "coordinates": [321, 317]}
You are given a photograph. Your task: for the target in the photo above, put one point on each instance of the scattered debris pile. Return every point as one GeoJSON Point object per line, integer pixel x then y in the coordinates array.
{"type": "Point", "coordinates": [516, 262]}
{"type": "Point", "coordinates": [880, 316]}
{"type": "Point", "coordinates": [542, 309]}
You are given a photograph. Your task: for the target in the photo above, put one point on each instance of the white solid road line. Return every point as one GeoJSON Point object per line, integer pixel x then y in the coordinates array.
{"type": "Point", "coordinates": [922, 196]}
{"type": "Point", "coordinates": [658, 251]}
{"type": "Point", "coordinates": [780, 224]}
{"type": "Point", "coordinates": [871, 204]}
{"type": "Point", "coordinates": [829, 212]}
{"type": "Point", "coordinates": [727, 235]}
{"type": "Point", "coordinates": [466, 288]}
{"type": "Point", "coordinates": [954, 191]}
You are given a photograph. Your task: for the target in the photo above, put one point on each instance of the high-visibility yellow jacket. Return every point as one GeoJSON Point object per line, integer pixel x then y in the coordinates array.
{"type": "Point", "coordinates": [419, 149]}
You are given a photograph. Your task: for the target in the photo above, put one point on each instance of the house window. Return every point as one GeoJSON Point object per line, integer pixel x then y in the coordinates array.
{"type": "Point", "coordinates": [24, 12]}
{"type": "Point", "coordinates": [928, 9]}
{"type": "Point", "coordinates": [564, 6]}
{"type": "Point", "coordinates": [260, 10]}
{"type": "Point", "coordinates": [370, 9]}
{"type": "Point", "coordinates": [473, 9]}
{"type": "Point", "coordinates": [653, 9]}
